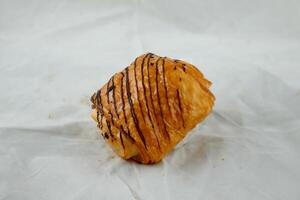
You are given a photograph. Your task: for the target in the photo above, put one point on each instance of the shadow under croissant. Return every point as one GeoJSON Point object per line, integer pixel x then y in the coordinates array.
{"type": "Point", "coordinates": [200, 141]}
{"type": "Point", "coordinates": [135, 159]}
{"type": "Point", "coordinates": [195, 149]}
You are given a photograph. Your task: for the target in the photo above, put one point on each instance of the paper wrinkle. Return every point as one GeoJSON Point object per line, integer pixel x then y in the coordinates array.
{"type": "Point", "coordinates": [54, 55]}
{"type": "Point", "coordinates": [132, 191]}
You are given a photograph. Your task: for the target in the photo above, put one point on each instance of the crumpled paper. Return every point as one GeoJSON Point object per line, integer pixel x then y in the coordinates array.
{"type": "Point", "coordinates": [55, 54]}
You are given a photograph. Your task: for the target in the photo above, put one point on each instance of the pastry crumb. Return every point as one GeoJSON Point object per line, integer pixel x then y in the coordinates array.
{"type": "Point", "coordinates": [110, 157]}
{"type": "Point", "coordinates": [85, 101]}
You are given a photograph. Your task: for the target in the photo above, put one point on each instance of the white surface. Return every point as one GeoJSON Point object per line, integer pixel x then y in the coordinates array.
{"type": "Point", "coordinates": [54, 54]}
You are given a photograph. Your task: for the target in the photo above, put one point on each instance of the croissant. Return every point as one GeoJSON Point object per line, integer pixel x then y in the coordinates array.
{"type": "Point", "coordinates": [150, 106]}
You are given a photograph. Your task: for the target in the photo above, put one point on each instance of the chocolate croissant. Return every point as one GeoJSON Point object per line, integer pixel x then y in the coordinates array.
{"type": "Point", "coordinates": [150, 106]}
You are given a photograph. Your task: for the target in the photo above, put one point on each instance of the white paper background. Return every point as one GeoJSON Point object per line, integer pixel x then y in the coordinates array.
{"type": "Point", "coordinates": [54, 54]}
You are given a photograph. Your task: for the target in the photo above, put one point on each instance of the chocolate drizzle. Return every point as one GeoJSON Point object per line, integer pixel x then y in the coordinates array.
{"type": "Point", "coordinates": [159, 102]}
{"type": "Point", "coordinates": [108, 89]}
{"type": "Point", "coordinates": [165, 85]}
{"type": "Point", "coordinates": [111, 117]}
{"type": "Point", "coordinates": [149, 83]}
{"type": "Point", "coordinates": [124, 113]}
{"type": "Point", "coordinates": [109, 129]}
{"type": "Point", "coordinates": [114, 97]}
{"type": "Point", "coordinates": [133, 114]}
{"type": "Point", "coordinates": [121, 139]}
{"type": "Point", "coordinates": [122, 98]}
{"type": "Point", "coordinates": [108, 100]}
{"type": "Point", "coordinates": [144, 88]}
{"type": "Point", "coordinates": [99, 102]}
{"type": "Point", "coordinates": [137, 89]}
{"type": "Point", "coordinates": [98, 118]}
{"type": "Point", "coordinates": [151, 99]}
{"type": "Point", "coordinates": [100, 107]}
{"type": "Point", "coordinates": [92, 99]}
{"type": "Point", "coordinates": [180, 107]}
{"type": "Point", "coordinates": [128, 135]}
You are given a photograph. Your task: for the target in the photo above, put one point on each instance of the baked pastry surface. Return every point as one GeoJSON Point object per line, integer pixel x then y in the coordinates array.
{"type": "Point", "coordinates": [150, 106]}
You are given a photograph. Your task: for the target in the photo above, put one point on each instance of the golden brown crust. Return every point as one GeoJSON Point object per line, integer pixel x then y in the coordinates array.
{"type": "Point", "coordinates": [146, 109]}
